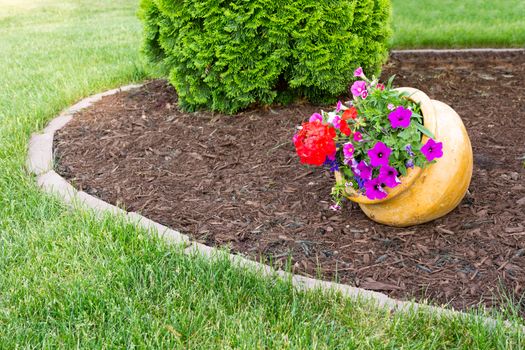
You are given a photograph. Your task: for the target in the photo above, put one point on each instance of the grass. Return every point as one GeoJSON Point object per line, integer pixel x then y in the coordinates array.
{"type": "Point", "coordinates": [70, 280]}
{"type": "Point", "coordinates": [458, 23]}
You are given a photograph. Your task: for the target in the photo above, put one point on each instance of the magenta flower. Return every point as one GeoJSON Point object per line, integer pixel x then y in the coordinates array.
{"type": "Point", "coordinates": [388, 176]}
{"type": "Point", "coordinates": [363, 170]}
{"type": "Point", "coordinates": [364, 94]}
{"type": "Point", "coordinates": [374, 189]}
{"type": "Point", "coordinates": [358, 87]}
{"type": "Point", "coordinates": [339, 106]}
{"type": "Point", "coordinates": [336, 122]}
{"type": "Point", "coordinates": [358, 137]}
{"type": "Point", "coordinates": [316, 116]}
{"type": "Point", "coordinates": [380, 86]}
{"type": "Point", "coordinates": [335, 207]}
{"type": "Point", "coordinates": [432, 150]}
{"type": "Point", "coordinates": [348, 150]}
{"type": "Point", "coordinates": [358, 73]}
{"type": "Point", "coordinates": [379, 154]}
{"type": "Point", "coordinates": [400, 117]}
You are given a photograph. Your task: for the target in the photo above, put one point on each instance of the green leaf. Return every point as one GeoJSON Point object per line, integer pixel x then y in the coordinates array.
{"type": "Point", "coordinates": [403, 170]}
{"type": "Point", "coordinates": [390, 81]}
{"type": "Point", "coordinates": [424, 130]}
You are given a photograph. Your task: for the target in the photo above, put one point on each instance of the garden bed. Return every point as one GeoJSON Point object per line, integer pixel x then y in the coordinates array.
{"type": "Point", "coordinates": [236, 182]}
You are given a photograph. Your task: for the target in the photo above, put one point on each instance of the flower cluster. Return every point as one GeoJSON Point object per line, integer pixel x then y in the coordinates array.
{"type": "Point", "coordinates": [371, 141]}
{"type": "Point", "coordinates": [315, 143]}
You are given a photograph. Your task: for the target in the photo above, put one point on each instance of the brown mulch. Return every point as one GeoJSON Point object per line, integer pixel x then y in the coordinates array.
{"type": "Point", "coordinates": [236, 181]}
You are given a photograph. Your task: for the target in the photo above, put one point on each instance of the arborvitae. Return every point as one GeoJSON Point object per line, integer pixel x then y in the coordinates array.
{"type": "Point", "coordinates": [225, 55]}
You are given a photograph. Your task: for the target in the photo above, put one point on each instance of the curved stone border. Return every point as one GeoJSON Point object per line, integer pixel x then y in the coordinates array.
{"type": "Point", "coordinates": [40, 163]}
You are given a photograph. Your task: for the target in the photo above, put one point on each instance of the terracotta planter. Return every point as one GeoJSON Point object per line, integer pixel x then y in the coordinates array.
{"type": "Point", "coordinates": [430, 193]}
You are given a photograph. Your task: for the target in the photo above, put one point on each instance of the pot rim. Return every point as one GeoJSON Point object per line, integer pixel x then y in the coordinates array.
{"type": "Point", "coordinates": [429, 120]}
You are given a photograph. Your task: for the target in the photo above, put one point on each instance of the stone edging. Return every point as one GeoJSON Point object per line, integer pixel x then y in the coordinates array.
{"type": "Point", "coordinates": [40, 163]}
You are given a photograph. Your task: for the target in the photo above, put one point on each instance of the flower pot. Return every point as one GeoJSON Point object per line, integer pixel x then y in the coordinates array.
{"type": "Point", "coordinates": [430, 193]}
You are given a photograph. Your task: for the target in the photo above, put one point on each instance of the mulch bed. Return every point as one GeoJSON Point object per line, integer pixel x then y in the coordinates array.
{"type": "Point", "coordinates": [237, 182]}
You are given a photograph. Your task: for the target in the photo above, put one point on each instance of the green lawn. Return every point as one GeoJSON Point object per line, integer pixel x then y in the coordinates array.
{"type": "Point", "coordinates": [69, 280]}
{"type": "Point", "coordinates": [458, 23]}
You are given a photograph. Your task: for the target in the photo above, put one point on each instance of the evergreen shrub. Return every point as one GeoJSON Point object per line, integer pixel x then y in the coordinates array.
{"type": "Point", "coordinates": [225, 55]}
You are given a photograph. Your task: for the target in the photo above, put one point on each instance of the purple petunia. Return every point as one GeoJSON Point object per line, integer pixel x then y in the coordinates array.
{"type": "Point", "coordinates": [359, 73]}
{"type": "Point", "coordinates": [379, 154]}
{"type": "Point", "coordinates": [316, 117]}
{"type": "Point", "coordinates": [374, 189]}
{"type": "Point", "coordinates": [400, 117]}
{"type": "Point", "coordinates": [432, 150]}
{"type": "Point", "coordinates": [409, 163]}
{"type": "Point", "coordinates": [358, 87]}
{"type": "Point", "coordinates": [388, 176]}
{"type": "Point", "coordinates": [363, 170]}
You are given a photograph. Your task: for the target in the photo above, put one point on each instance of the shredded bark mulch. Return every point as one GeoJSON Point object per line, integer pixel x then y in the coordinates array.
{"type": "Point", "coordinates": [236, 181]}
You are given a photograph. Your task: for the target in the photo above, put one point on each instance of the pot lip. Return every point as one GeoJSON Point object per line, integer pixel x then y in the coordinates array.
{"type": "Point", "coordinates": [429, 119]}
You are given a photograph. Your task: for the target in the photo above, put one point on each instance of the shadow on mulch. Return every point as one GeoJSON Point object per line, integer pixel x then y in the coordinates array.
{"type": "Point", "coordinates": [236, 181]}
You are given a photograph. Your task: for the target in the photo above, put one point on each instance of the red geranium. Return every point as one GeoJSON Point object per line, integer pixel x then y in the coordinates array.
{"type": "Point", "coordinates": [350, 113]}
{"type": "Point", "coordinates": [315, 142]}
{"type": "Point", "coordinates": [344, 128]}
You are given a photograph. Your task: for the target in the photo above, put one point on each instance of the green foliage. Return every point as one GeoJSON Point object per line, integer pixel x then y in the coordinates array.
{"type": "Point", "coordinates": [225, 55]}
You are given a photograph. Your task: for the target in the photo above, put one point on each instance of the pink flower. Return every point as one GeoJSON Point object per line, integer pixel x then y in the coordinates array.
{"type": "Point", "coordinates": [379, 154]}
{"type": "Point", "coordinates": [348, 150]}
{"type": "Point", "coordinates": [432, 150]}
{"type": "Point", "coordinates": [358, 87]}
{"type": "Point", "coordinates": [358, 73]}
{"type": "Point", "coordinates": [380, 86]}
{"type": "Point", "coordinates": [336, 122]}
{"type": "Point", "coordinates": [358, 137]}
{"type": "Point", "coordinates": [390, 107]}
{"type": "Point", "coordinates": [400, 117]}
{"type": "Point", "coordinates": [316, 116]}
{"type": "Point", "coordinates": [364, 94]}
{"type": "Point", "coordinates": [339, 106]}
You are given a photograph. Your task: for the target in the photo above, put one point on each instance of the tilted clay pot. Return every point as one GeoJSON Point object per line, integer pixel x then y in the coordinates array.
{"type": "Point", "coordinates": [430, 193]}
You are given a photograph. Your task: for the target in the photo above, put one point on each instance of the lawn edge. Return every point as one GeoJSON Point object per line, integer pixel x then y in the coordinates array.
{"type": "Point", "coordinates": [448, 51]}
{"type": "Point", "coordinates": [40, 163]}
